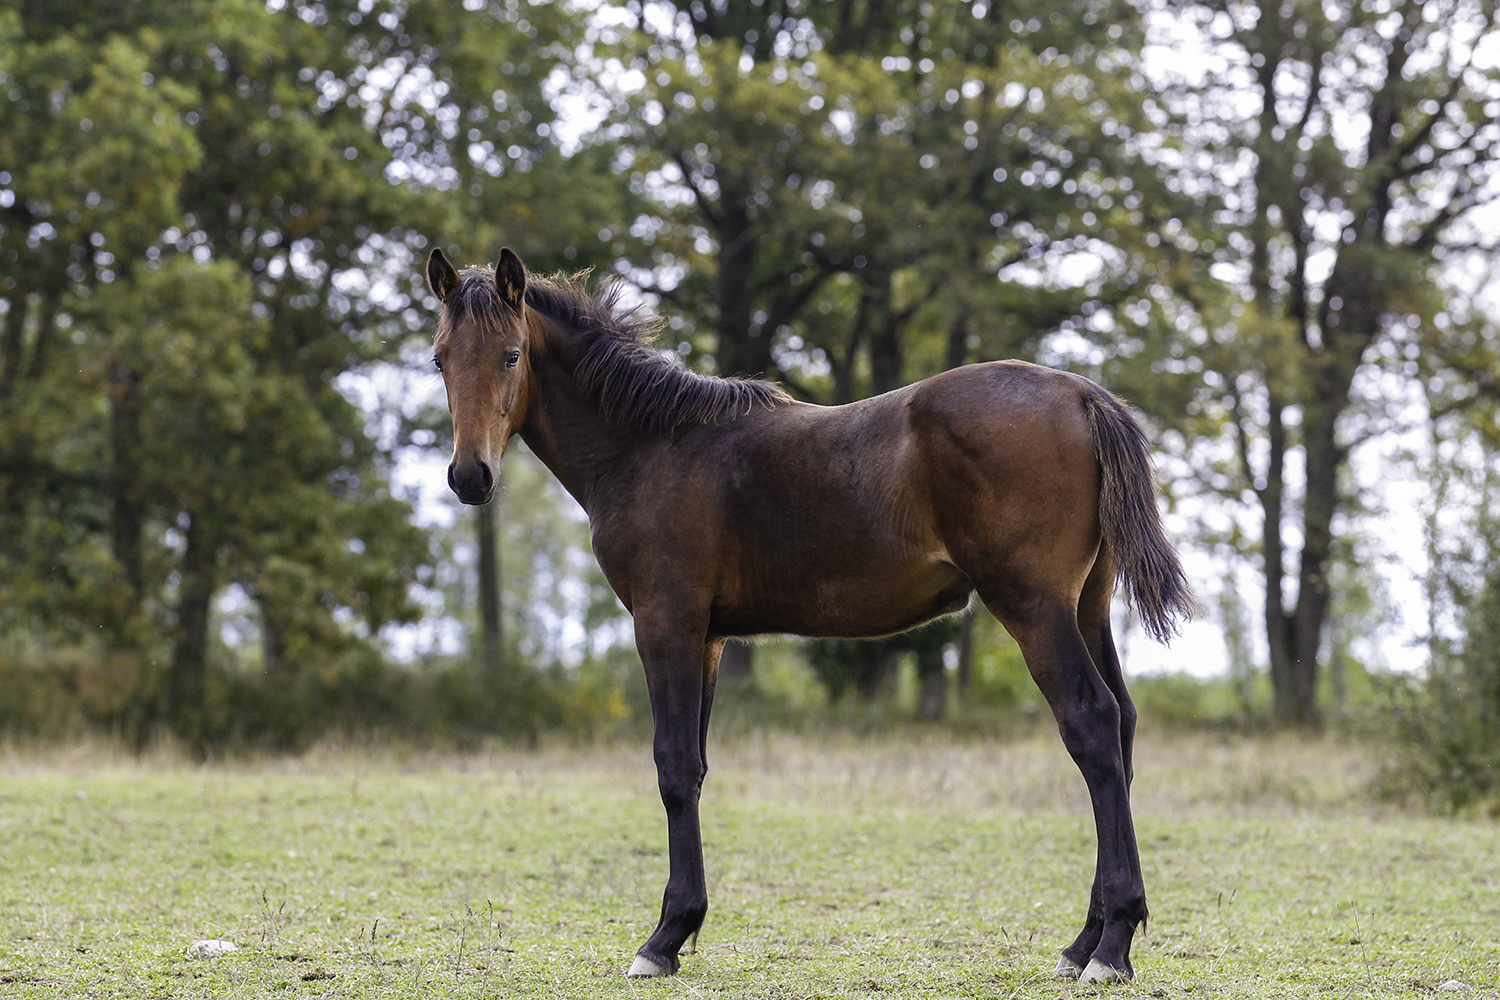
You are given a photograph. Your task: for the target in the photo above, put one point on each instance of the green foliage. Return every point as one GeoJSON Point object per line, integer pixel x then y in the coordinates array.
{"type": "Point", "coordinates": [1000, 681]}
{"type": "Point", "coordinates": [849, 665]}
{"type": "Point", "coordinates": [1181, 701]}
{"type": "Point", "coordinates": [834, 198]}
{"type": "Point", "coordinates": [350, 694]}
{"type": "Point", "coordinates": [1446, 726]}
{"type": "Point", "coordinates": [211, 213]}
{"type": "Point", "coordinates": [1281, 324]}
{"type": "Point", "coordinates": [208, 216]}
{"type": "Point", "coordinates": [1445, 752]}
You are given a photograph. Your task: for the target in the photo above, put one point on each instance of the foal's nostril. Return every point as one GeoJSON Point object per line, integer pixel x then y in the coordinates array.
{"type": "Point", "coordinates": [472, 481]}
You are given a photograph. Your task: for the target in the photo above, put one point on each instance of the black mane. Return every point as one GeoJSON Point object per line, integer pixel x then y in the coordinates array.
{"type": "Point", "coordinates": [637, 385]}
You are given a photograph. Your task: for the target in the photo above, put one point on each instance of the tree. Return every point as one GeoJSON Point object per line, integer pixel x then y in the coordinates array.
{"type": "Point", "coordinates": [1338, 156]}
{"type": "Point", "coordinates": [1446, 723]}
{"type": "Point", "coordinates": [794, 174]}
{"type": "Point", "coordinates": [851, 196]}
{"type": "Point", "coordinates": [199, 208]}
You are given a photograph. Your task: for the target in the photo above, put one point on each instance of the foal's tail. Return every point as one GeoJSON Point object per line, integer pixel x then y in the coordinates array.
{"type": "Point", "coordinates": [1146, 562]}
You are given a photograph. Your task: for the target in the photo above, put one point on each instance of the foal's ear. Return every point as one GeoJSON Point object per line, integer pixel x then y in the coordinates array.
{"type": "Point", "coordinates": [441, 277]}
{"type": "Point", "coordinates": [510, 279]}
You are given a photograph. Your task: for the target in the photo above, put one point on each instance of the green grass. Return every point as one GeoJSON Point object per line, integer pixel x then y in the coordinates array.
{"type": "Point", "coordinates": [903, 867]}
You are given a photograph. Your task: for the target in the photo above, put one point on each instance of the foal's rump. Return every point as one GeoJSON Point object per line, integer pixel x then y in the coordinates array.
{"type": "Point", "coordinates": [1012, 472]}
{"type": "Point", "coordinates": [1031, 469]}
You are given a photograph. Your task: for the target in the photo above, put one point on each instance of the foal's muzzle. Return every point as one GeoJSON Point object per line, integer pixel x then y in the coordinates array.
{"type": "Point", "coordinates": [472, 481]}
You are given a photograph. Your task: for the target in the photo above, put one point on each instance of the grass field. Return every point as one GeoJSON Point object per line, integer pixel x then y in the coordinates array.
{"type": "Point", "coordinates": [904, 867]}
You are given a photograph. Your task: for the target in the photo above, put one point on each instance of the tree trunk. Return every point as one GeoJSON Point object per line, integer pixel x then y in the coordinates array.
{"type": "Point", "coordinates": [965, 673]}
{"type": "Point", "coordinates": [957, 352]}
{"type": "Point", "coordinates": [273, 646]}
{"type": "Point", "coordinates": [742, 348]}
{"type": "Point", "coordinates": [490, 601]}
{"type": "Point", "coordinates": [843, 368]}
{"type": "Point", "coordinates": [879, 684]}
{"type": "Point", "coordinates": [189, 667]}
{"type": "Point", "coordinates": [1293, 675]}
{"type": "Point", "coordinates": [736, 665]}
{"type": "Point", "coordinates": [887, 365]}
{"type": "Point", "coordinates": [13, 340]}
{"type": "Point", "coordinates": [932, 684]}
{"type": "Point", "coordinates": [1293, 680]}
{"type": "Point", "coordinates": [125, 457]}
{"type": "Point", "coordinates": [1294, 687]}
{"type": "Point", "coordinates": [46, 331]}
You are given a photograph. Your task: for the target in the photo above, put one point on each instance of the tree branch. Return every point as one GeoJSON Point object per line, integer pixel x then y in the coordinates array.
{"type": "Point", "coordinates": [1409, 147]}
{"type": "Point", "coordinates": [1242, 441]}
{"type": "Point", "coordinates": [1466, 197]}
{"type": "Point", "coordinates": [788, 304]}
{"type": "Point", "coordinates": [704, 203]}
{"type": "Point", "coordinates": [799, 388]}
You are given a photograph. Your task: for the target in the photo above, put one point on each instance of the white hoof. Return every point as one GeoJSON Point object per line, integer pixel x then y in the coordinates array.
{"type": "Point", "coordinates": [1067, 969]}
{"type": "Point", "coordinates": [1098, 972]}
{"type": "Point", "coordinates": [643, 966]}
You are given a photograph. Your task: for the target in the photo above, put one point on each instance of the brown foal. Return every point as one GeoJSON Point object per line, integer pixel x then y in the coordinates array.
{"type": "Point", "coordinates": [720, 507]}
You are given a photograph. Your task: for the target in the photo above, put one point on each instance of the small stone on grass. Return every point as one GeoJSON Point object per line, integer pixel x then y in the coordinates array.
{"type": "Point", "coordinates": [211, 948]}
{"type": "Point", "coordinates": [1453, 986]}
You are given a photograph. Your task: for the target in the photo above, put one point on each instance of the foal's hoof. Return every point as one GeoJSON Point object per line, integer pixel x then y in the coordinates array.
{"type": "Point", "coordinates": [1098, 972]}
{"type": "Point", "coordinates": [643, 966]}
{"type": "Point", "coordinates": [1067, 969]}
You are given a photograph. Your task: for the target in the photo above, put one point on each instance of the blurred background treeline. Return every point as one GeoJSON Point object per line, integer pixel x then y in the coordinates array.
{"type": "Point", "coordinates": [1270, 227]}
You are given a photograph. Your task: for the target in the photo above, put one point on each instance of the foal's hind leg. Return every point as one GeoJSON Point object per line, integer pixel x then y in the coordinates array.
{"type": "Point", "coordinates": [680, 667]}
{"type": "Point", "coordinates": [1093, 623]}
{"type": "Point", "coordinates": [1089, 718]}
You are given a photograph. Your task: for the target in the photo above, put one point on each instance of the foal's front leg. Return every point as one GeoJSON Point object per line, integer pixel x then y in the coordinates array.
{"type": "Point", "coordinates": [680, 665]}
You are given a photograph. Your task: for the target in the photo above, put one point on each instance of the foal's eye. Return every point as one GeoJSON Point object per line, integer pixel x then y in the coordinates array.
{"type": "Point", "coordinates": [437, 364]}
{"type": "Point", "coordinates": [512, 358]}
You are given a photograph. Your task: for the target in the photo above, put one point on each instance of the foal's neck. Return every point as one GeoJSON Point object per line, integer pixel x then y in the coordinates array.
{"type": "Point", "coordinates": [565, 429]}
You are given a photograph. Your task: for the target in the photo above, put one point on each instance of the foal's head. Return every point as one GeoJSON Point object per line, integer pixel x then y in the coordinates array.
{"type": "Point", "coordinates": [481, 350]}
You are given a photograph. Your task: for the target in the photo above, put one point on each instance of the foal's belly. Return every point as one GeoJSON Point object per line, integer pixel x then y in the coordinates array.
{"type": "Point", "coordinates": [872, 602]}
